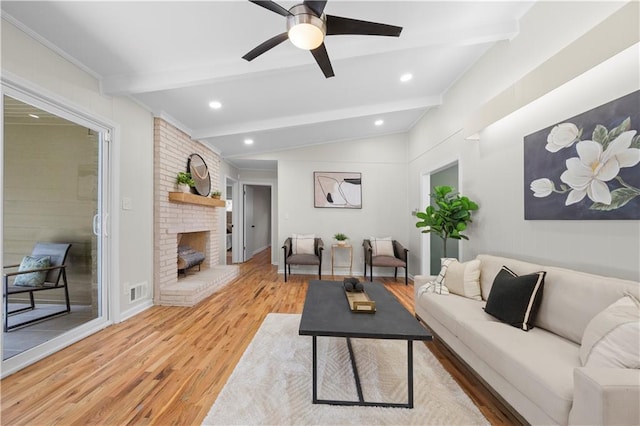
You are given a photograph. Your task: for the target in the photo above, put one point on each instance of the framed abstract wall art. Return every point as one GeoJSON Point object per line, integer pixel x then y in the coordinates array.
{"type": "Point", "coordinates": [341, 190]}
{"type": "Point", "coordinates": [586, 167]}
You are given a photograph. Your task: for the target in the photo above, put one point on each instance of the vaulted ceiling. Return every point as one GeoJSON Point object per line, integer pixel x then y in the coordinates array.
{"type": "Point", "coordinates": [176, 57]}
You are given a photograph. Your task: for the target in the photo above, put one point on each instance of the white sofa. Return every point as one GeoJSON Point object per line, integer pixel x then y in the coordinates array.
{"type": "Point", "coordinates": [539, 372]}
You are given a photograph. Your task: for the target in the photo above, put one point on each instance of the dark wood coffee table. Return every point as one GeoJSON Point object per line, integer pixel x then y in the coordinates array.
{"type": "Point", "coordinates": [326, 313]}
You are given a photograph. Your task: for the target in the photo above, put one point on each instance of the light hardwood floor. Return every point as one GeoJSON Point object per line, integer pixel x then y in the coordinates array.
{"type": "Point", "coordinates": [168, 364]}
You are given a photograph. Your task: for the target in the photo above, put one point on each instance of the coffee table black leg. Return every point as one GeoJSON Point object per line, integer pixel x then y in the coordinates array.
{"type": "Point", "coordinates": [361, 401]}
{"type": "Point", "coordinates": [410, 372]}
{"type": "Point", "coordinates": [315, 370]}
{"type": "Point", "coordinates": [356, 375]}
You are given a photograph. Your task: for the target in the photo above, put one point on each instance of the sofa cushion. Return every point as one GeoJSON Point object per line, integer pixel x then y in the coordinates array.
{"type": "Point", "coordinates": [303, 259]}
{"type": "Point", "coordinates": [451, 309]}
{"type": "Point", "coordinates": [463, 279]}
{"type": "Point", "coordinates": [388, 261]}
{"type": "Point", "coordinates": [515, 299]}
{"type": "Point", "coordinates": [561, 312]}
{"type": "Point", "coordinates": [539, 364]}
{"type": "Point", "coordinates": [612, 338]}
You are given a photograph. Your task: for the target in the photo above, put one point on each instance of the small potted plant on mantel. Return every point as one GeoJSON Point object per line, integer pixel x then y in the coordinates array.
{"type": "Point", "coordinates": [216, 194]}
{"type": "Point", "coordinates": [185, 182]}
{"type": "Point", "coordinates": [341, 238]}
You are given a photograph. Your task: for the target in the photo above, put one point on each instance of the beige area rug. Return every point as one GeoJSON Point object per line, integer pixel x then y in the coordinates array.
{"type": "Point", "coordinates": [272, 382]}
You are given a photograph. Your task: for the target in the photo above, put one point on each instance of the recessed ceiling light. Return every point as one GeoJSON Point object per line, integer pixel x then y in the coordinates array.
{"type": "Point", "coordinates": [379, 122]}
{"type": "Point", "coordinates": [248, 141]}
{"type": "Point", "coordinates": [34, 116]}
{"type": "Point", "coordinates": [406, 77]}
{"type": "Point", "coordinates": [215, 105]}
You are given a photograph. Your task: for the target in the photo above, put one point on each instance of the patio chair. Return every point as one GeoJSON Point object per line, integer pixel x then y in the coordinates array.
{"type": "Point", "coordinates": [35, 279]}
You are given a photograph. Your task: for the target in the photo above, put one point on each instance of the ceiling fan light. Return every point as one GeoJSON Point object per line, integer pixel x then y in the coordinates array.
{"type": "Point", "coordinates": [305, 30]}
{"type": "Point", "coordinates": [306, 36]}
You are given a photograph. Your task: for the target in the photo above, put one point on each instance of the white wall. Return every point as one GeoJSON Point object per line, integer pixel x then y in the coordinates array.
{"type": "Point", "coordinates": [491, 170]}
{"type": "Point", "coordinates": [28, 62]}
{"type": "Point", "coordinates": [382, 162]}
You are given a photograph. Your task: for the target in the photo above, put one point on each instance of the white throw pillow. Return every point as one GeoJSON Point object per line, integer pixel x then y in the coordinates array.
{"type": "Point", "coordinates": [382, 246]}
{"type": "Point", "coordinates": [303, 243]}
{"type": "Point", "coordinates": [462, 279]}
{"type": "Point", "coordinates": [612, 338]}
{"type": "Point", "coordinates": [439, 285]}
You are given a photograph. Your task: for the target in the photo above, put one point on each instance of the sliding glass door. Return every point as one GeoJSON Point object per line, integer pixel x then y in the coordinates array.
{"type": "Point", "coordinates": [55, 190]}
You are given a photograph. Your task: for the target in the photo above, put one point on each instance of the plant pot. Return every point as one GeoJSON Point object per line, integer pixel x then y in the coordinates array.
{"type": "Point", "coordinates": [217, 197]}
{"type": "Point", "coordinates": [183, 187]}
{"type": "Point", "coordinates": [342, 243]}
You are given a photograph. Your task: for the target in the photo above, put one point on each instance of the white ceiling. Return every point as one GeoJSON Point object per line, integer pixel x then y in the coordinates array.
{"type": "Point", "coordinates": [174, 57]}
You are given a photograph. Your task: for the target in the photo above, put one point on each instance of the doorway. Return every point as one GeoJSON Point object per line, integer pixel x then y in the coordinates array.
{"type": "Point", "coordinates": [256, 219]}
{"type": "Point", "coordinates": [230, 234]}
{"type": "Point", "coordinates": [54, 191]}
{"type": "Point", "coordinates": [449, 177]}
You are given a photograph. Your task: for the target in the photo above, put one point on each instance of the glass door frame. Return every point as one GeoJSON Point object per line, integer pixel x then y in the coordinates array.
{"type": "Point", "coordinates": [108, 184]}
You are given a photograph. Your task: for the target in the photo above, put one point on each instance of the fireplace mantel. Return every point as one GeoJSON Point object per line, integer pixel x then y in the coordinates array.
{"type": "Point", "coordinates": [188, 198]}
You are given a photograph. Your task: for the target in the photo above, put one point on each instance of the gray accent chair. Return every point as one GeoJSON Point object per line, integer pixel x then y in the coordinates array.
{"type": "Point", "coordinates": [399, 260]}
{"type": "Point", "coordinates": [56, 279]}
{"type": "Point", "coordinates": [303, 259]}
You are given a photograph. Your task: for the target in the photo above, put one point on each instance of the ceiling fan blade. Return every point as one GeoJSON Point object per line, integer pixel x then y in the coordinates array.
{"type": "Point", "coordinates": [338, 25]}
{"type": "Point", "coordinates": [322, 58]}
{"type": "Point", "coordinates": [316, 6]}
{"type": "Point", "coordinates": [274, 7]}
{"type": "Point", "coordinates": [267, 45]}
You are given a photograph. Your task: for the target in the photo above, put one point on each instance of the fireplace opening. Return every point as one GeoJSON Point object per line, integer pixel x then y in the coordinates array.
{"type": "Point", "coordinates": [192, 251]}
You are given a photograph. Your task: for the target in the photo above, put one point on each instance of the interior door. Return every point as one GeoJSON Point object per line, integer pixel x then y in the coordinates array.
{"type": "Point", "coordinates": [249, 225]}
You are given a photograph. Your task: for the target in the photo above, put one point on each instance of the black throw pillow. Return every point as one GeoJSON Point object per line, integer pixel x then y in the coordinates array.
{"type": "Point", "coordinates": [515, 299]}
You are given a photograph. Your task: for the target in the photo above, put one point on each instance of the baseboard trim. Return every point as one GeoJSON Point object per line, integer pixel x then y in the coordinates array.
{"type": "Point", "coordinates": [140, 307]}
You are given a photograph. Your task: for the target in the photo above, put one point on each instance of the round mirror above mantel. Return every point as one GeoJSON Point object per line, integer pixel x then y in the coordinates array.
{"type": "Point", "coordinates": [200, 174]}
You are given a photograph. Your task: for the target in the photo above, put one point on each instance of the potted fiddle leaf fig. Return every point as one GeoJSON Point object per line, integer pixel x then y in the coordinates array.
{"type": "Point", "coordinates": [185, 181]}
{"type": "Point", "coordinates": [449, 217]}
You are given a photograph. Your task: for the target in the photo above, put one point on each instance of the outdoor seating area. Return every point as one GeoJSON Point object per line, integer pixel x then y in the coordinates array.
{"type": "Point", "coordinates": [43, 270]}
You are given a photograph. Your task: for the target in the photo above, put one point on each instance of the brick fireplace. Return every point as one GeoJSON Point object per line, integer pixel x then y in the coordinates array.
{"type": "Point", "coordinates": [174, 221]}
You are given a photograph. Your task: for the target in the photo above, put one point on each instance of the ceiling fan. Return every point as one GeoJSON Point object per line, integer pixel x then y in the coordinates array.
{"type": "Point", "coordinates": [307, 26]}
